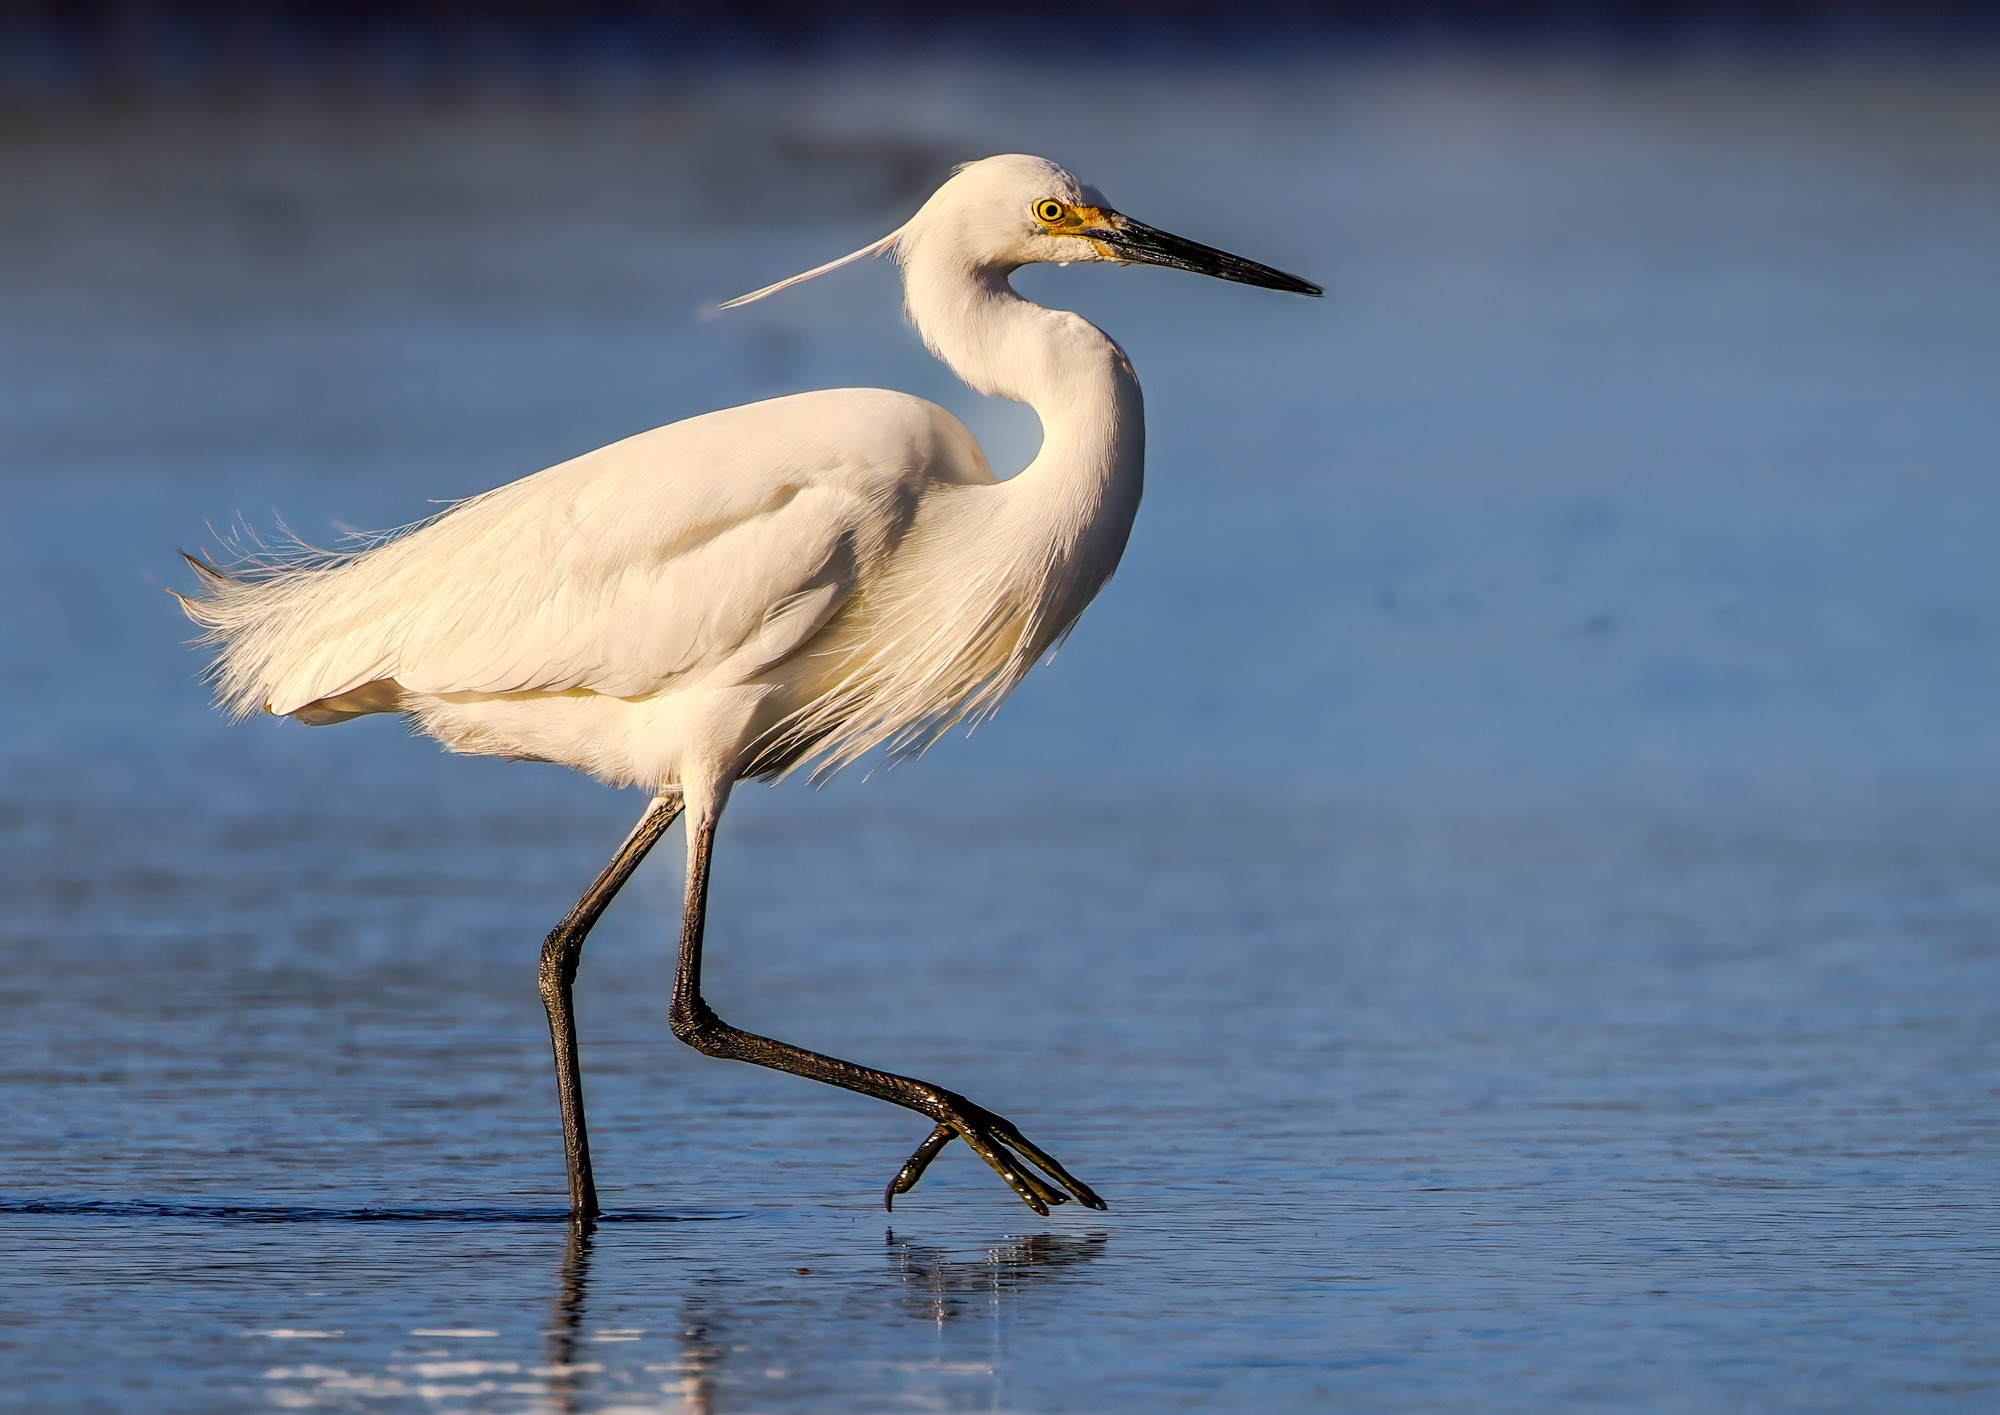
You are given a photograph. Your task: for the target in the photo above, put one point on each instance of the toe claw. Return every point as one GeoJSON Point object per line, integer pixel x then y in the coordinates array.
{"type": "Point", "coordinates": [995, 1140]}
{"type": "Point", "coordinates": [1083, 1193]}
{"type": "Point", "coordinates": [913, 1168]}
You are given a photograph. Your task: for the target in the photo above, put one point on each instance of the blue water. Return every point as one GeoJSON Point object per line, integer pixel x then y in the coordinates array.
{"type": "Point", "coordinates": [1500, 895]}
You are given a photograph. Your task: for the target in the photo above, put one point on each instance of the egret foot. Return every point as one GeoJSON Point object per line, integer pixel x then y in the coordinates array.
{"type": "Point", "coordinates": [995, 1139]}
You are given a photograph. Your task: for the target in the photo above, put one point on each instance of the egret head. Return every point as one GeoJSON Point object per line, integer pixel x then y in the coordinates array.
{"type": "Point", "coordinates": [1016, 210]}
{"type": "Point", "coordinates": [1005, 212]}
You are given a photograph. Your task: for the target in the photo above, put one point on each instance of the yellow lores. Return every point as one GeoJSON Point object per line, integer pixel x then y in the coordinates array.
{"type": "Point", "coordinates": [1091, 223]}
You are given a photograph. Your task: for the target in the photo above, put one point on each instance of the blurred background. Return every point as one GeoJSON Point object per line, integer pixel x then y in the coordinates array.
{"type": "Point", "coordinates": [1501, 891]}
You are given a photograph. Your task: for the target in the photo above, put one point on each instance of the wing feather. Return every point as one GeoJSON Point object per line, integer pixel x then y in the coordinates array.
{"type": "Point", "coordinates": [718, 545]}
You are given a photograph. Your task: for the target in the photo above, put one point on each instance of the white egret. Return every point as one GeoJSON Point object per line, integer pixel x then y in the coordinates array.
{"type": "Point", "coordinates": [787, 584]}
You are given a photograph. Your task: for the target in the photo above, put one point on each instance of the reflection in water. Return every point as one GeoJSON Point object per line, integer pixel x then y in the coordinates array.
{"type": "Point", "coordinates": [936, 1283]}
{"type": "Point", "coordinates": [728, 1306]}
{"type": "Point", "coordinates": [564, 1376]}
{"type": "Point", "coordinates": [701, 1355]}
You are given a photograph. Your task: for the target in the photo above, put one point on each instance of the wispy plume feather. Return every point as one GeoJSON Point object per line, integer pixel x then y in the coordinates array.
{"type": "Point", "coordinates": [873, 248]}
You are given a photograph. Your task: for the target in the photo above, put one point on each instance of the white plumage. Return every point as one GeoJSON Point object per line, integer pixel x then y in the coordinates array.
{"type": "Point", "coordinates": [788, 583]}
{"type": "Point", "coordinates": [796, 580]}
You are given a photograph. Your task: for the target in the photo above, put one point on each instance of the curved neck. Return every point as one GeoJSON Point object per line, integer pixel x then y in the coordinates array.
{"type": "Point", "coordinates": [1077, 380]}
{"type": "Point", "coordinates": [1058, 527]}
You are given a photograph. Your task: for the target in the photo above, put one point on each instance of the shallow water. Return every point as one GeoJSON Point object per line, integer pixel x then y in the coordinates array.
{"type": "Point", "coordinates": [1501, 896]}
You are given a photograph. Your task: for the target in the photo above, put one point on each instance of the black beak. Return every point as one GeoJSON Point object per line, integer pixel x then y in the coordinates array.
{"type": "Point", "coordinates": [1141, 244]}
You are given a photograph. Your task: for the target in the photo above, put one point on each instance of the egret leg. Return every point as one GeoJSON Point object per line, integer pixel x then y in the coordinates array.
{"type": "Point", "coordinates": [992, 1137]}
{"type": "Point", "coordinates": [560, 954]}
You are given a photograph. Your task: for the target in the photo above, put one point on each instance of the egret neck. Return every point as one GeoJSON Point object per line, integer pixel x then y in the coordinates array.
{"type": "Point", "coordinates": [1071, 508]}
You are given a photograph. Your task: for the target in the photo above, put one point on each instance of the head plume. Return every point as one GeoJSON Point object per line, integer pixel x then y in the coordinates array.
{"type": "Point", "coordinates": [873, 248]}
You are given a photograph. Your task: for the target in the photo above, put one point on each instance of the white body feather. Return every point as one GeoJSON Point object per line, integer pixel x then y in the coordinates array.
{"type": "Point", "coordinates": [783, 583]}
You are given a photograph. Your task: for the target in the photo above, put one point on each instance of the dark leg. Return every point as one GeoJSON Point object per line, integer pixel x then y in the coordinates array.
{"type": "Point", "coordinates": [559, 959]}
{"type": "Point", "coordinates": [992, 1137]}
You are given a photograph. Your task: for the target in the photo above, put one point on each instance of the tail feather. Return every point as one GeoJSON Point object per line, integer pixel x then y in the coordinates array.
{"type": "Point", "coordinates": [254, 614]}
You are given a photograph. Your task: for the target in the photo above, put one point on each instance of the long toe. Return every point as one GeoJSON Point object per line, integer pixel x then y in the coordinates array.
{"type": "Point", "coordinates": [1011, 1155]}
{"type": "Point", "coordinates": [913, 1168]}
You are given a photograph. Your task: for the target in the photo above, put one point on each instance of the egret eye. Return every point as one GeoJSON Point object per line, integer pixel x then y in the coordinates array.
{"type": "Point", "coordinates": [1049, 211]}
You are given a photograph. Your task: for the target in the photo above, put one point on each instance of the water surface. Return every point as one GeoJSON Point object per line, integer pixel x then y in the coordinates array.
{"type": "Point", "coordinates": [1501, 895]}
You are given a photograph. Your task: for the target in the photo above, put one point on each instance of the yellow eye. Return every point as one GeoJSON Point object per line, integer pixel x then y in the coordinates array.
{"type": "Point", "coordinates": [1049, 211]}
